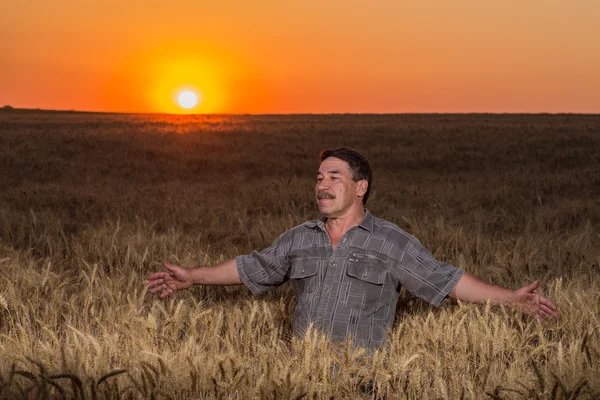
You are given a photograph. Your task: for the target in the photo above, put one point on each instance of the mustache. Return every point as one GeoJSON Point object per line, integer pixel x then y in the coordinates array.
{"type": "Point", "coordinates": [325, 195]}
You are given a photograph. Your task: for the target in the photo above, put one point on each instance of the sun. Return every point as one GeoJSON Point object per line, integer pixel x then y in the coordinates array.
{"type": "Point", "coordinates": [187, 99]}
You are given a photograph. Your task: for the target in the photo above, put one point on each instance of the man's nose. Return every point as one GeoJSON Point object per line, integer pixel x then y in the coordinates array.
{"type": "Point", "coordinates": [321, 185]}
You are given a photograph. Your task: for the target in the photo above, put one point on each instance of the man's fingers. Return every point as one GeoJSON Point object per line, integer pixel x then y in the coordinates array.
{"type": "Point", "coordinates": [545, 315]}
{"type": "Point", "coordinates": [531, 287]}
{"type": "Point", "coordinates": [157, 286]}
{"type": "Point", "coordinates": [547, 303]}
{"type": "Point", "coordinates": [155, 289]}
{"type": "Point", "coordinates": [169, 267]}
{"type": "Point", "coordinates": [154, 282]}
{"type": "Point", "coordinates": [548, 311]}
{"type": "Point", "coordinates": [156, 275]}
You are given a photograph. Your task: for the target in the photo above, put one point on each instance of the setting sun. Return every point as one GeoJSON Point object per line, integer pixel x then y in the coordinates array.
{"type": "Point", "coordinates": [187, 99]}
{"type": "Point", "coordinates": [263, 58]}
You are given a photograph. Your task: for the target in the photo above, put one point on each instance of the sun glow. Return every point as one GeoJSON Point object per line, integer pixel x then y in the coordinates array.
{"type": "Point", "coordinates": [157, 77]}
{"type": "Point", "coordinates": [188, 84]}
{"type": "Point", "coordinates": [187, 99]}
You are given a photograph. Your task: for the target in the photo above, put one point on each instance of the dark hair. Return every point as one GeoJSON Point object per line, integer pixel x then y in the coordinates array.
{"type": "Point", "coordinates": [359, 166]}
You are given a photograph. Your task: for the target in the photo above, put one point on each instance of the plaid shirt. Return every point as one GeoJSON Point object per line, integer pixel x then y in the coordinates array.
{"type": "Point", "coordinates": [352, 290]}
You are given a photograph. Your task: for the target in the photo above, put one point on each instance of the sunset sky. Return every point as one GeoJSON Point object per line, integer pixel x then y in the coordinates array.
{"type": "Point", "coordinates": [275, 56]}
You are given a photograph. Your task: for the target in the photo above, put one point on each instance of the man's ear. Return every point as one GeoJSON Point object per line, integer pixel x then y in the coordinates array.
{"type": "Point", "coordinates": [362, 187]}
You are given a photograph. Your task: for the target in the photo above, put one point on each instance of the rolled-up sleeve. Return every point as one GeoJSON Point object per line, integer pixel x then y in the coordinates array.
{"type": "Point", "coordinates": [424, 276]}
{"type": "Point", "coordinates": [263, 270]}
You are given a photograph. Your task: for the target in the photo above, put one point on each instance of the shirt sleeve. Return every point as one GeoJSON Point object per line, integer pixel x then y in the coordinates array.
{"type": "Point", "coordinates": [425, 277]}
{"type": "Point", "coordinates": [264, 270]}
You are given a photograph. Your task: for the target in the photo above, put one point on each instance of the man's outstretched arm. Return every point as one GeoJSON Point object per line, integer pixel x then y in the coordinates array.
{"type": "Point", "coordinates": [177, 278]}
{"type": "Point", "coordinates": [469, 288]}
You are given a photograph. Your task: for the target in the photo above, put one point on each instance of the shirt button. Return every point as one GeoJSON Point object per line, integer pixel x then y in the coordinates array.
{"type": "Point", "coordinates": [333, 263]}
{"type": "Point", "coordinates": [365, 274]}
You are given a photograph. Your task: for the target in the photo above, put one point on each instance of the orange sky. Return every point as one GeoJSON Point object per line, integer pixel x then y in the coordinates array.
{"type": "Point", "coordinates": [275, 56]}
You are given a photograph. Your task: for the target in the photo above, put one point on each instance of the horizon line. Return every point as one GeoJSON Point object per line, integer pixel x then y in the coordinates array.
{"type": "Point", "coordinates": [8, 108]}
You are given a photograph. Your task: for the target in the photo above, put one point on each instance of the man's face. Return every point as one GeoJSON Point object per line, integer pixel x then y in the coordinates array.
{"type": "Point", "coordinates": [336, 192]}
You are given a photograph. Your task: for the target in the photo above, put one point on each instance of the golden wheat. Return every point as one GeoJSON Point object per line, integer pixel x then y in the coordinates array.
{"type": "Point", "coordinates": [91, 203]}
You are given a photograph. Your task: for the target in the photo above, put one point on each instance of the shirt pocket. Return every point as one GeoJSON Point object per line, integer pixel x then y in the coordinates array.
{"type": "Point", "coordinates": [304, 276]}
{"type": "Point", "coordinates": [366, 276]}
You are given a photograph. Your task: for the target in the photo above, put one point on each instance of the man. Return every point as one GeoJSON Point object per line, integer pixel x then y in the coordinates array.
{"type": "Point", "coordinates": [347, 268]}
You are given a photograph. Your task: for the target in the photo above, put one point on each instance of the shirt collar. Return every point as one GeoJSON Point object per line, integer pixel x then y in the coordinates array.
{"type": "Point", "coordinates": [318, 222]}
{"type": "Point", "coordinates": [365, 223]}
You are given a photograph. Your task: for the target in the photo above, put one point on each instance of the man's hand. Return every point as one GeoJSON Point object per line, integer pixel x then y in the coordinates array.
{"type": "Point", "coordinates": [174, 278]}
{"type": "Point", "coordinates": [525, 299]}
{"type": "Point", "coordinates": [177, 278]}
{"type": "Point", "coordinates": [534, 304]}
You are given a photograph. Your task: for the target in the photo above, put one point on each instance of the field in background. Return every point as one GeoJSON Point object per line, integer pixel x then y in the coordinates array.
{"type": "Point", "coordinates": [91, 203]}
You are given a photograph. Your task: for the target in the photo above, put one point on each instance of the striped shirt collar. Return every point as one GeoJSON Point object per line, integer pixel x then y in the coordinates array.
{"type": "Point", "coordinates": [365, 223]}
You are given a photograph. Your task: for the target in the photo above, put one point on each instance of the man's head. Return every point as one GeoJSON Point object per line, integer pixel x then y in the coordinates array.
{"type": "Point", "coordinates": [344, 178]}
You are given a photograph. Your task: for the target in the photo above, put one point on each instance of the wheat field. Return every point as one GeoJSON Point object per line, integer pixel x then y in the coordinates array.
{"type": "Point", "coordinates": [90, 204]}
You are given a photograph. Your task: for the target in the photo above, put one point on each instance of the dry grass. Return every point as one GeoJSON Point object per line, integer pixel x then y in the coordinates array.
{"type": "Point", "coordinates": [90, 203]}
